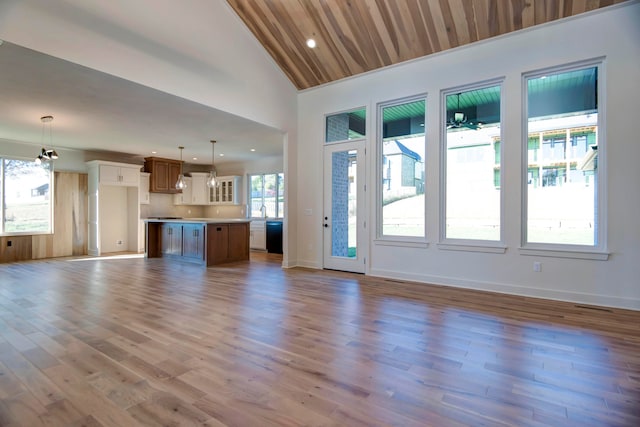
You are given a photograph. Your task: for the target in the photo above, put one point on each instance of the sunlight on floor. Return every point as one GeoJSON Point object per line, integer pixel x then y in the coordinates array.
{"type": "Point", "coordinates": [109, 257]}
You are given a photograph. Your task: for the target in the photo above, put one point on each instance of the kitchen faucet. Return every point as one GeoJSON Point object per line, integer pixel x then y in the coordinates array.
{"type": "Point", "coordinates": [263, 211]}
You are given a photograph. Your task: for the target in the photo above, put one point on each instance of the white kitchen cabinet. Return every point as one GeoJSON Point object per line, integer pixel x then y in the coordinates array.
{"type": "Point", "coordinates": [111, 173]}
{"type": "Point", "coordinates": [143, 190]}
{"type": "Point", "coordinates": [184, 198]}
{"type": "Point", "coordinates": [199, 189]}
{"type": "Point", "coordinates": [258, 235]}
{"type": "Point", "coordinates": [227, 192]}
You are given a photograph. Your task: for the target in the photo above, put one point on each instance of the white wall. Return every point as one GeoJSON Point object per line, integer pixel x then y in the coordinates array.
{"type": "Point", "coordinates": [612, 33]}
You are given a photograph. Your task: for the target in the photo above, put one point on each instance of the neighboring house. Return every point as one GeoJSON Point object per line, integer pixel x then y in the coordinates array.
{"type": "Point", "coordinates": [403, 171]}
{"type": "Point", "coordinates": [42, 190]}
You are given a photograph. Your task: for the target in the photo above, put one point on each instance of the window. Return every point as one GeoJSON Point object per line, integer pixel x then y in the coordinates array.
{"type": "Point", "coordinates": [562, 157]}
{"type": "Point", "coordinates": [266, 195]}
{"type": "Point", "coordinates": [402, 172]}
{"type": "Point", "coordinates": [346, 126]}
{"type": "Point", "coordinates": [473, 163]}
{"type": "Point", "coordinates": [26, 197]}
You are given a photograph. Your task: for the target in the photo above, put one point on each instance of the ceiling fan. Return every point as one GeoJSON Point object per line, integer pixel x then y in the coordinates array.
{"type": "Point", "coordinates": [459, 119]}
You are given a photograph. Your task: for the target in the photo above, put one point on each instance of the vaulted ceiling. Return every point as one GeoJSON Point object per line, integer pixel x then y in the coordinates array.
{"type": "Point", "coordinates": [356, 36]}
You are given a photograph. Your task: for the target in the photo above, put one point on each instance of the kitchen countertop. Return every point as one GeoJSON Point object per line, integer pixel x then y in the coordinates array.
{"type": "Point", "coordinates": [199, 220]}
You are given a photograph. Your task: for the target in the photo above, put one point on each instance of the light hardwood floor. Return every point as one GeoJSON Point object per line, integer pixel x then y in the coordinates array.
{"type": "Point", "coordinates": [127, 342]}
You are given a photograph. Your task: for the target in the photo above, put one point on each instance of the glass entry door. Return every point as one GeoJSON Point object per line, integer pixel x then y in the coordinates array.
{"type": "Point", "coordinates": [344, 218]}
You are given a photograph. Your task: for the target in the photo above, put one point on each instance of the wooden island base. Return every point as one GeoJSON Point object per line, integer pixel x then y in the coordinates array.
{"type": "Point", "coordinates": [203, 241]}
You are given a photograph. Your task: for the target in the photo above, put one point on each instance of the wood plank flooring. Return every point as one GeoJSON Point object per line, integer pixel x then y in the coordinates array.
{"type": "Point", "coordinates": [133, 341]}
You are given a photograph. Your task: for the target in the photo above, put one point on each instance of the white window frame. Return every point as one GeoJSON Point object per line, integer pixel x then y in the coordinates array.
{"type": "Point", "coordinates": [595, 252]}
{"type": "Point", "coordinates": [249, 192]}
{"type": "Point", "coordinates": [2, 201]}
{"type": "Point", "coordinates": [469, 245]}
{"type": "Point", "coordinates": [395, 240]}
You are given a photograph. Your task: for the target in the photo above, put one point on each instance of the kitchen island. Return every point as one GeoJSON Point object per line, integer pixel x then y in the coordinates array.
{"type": "Point", "coordinates": [206, 241]}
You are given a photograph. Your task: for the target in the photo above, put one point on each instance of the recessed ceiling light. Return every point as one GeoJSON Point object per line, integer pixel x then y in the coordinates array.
{"type": "Point", "coordinates": [154, 152]}
{"type": "Point", "coordinates": [311, 43]}
{"type": "Point", "coordinates": [221, 155]}
{"type": "Point", "coordinates": [253, 149]}
{"type": "Point", "coordinates": [195, 158]}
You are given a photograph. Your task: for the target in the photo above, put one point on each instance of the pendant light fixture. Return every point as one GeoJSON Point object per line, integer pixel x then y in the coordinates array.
{"type": "Point", "coordinates": [212, 181]}
{"type": "Point", "coordinates": [181, 183]}
{"type": "Point", "coordinates": [50, 153]}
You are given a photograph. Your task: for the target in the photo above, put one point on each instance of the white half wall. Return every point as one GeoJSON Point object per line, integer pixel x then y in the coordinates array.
{"type": "Point", "coordinates": [612, 33]}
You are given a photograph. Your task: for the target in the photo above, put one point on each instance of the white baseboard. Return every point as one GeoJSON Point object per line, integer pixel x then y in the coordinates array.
{"type": "Point", "coordinates": [306, 264]}
{"type": "Point", "coordinates": [575, 297]}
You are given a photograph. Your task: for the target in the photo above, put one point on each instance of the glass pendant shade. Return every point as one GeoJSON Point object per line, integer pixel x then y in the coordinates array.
{"type": "Point", "coordinates": [181, 183]}
{"type": "Point", "coordinates": [212, 181]}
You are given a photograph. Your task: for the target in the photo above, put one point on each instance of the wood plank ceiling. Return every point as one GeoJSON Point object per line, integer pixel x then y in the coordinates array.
{"type": "Point", "coordinates": [355, 36]}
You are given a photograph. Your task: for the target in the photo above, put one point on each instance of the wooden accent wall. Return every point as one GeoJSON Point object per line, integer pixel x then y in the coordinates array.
{"type": "Point", "coordinates": [70, 225]}
{"type": "Point", "coordinates": [15, 248]}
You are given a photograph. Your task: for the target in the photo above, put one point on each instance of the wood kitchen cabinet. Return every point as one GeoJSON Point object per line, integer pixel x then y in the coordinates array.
{"type": "Point", "coordinates": [238, 242]}
{"type": "Point", "coordinates": [164, 174]}
{"type": "Point", "coordinates": [218, 243]}
{"type": "Point", "coordinates": [193, 241]}
{"type": "Point", "coordinates": [171, 240]}
{"type": "Point", "coordinates": [206, 242]}
{"type": "Point", "coordinates": [228, 242]}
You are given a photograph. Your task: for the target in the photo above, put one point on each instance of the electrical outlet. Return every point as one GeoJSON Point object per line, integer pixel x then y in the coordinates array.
{"type": "Point", "coordinates": [537, 267]}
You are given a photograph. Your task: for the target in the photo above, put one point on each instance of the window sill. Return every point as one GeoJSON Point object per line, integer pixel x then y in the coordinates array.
{"type": "Point", "coordinates": [565, 253]}
{"type": "Point", "coordinates": [401, 243]}
{"type": "Point", "coordinates": [471, 247]}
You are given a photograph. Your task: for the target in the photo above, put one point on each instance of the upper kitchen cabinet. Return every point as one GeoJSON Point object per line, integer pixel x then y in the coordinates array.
{"type": "Point", "coordinates": [199, 189]}
{"type": "Point", "coordinates": [184, 197]}
{"type": "Point", "coordinates": [164, 174]}
{"type": "Point", "coordinates": [143, 191]}
{"type": "Point", "coordinates": [227, 192]}
{"type": "Point", "coordinates": [111, 173]}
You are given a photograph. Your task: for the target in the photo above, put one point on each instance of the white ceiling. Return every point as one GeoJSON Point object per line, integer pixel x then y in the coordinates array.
{"type": "Point", "coordinates": [97, 111]}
